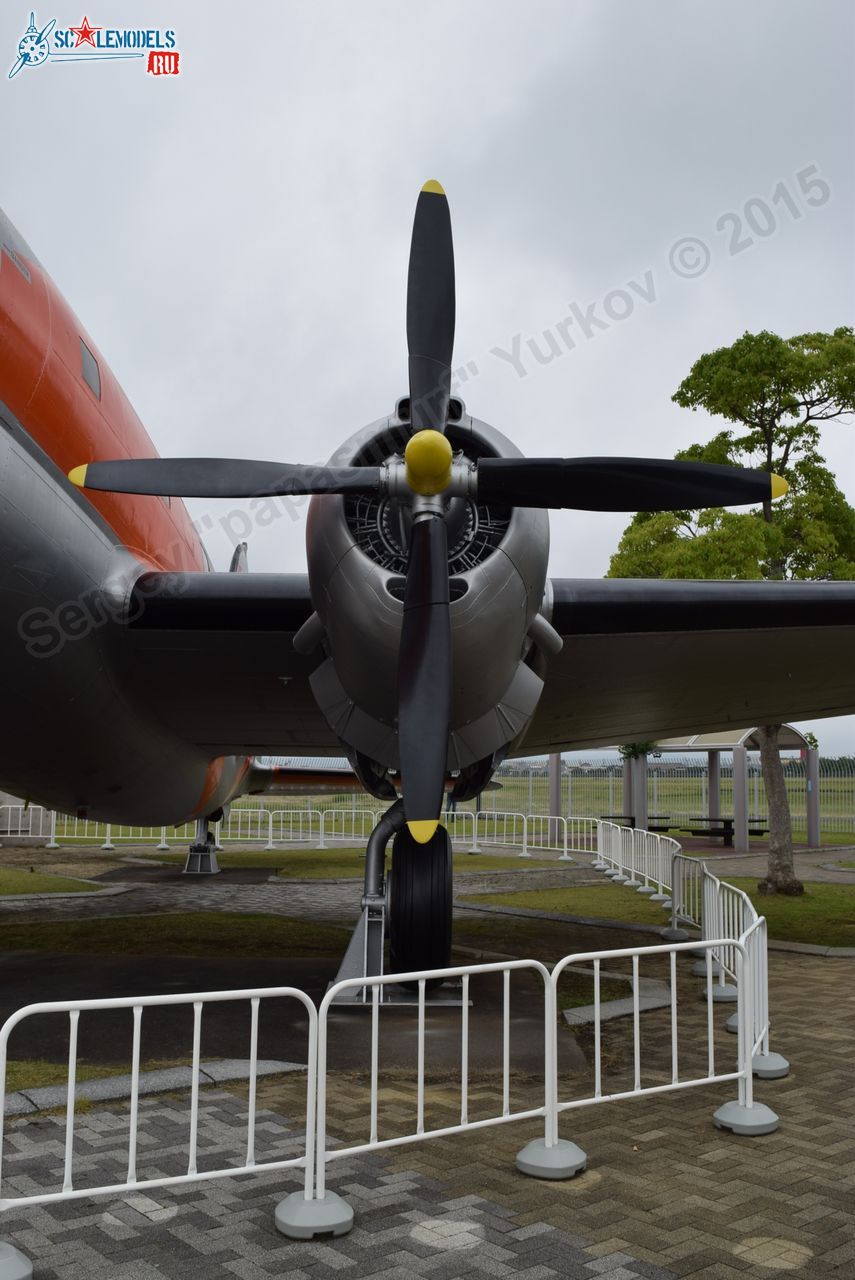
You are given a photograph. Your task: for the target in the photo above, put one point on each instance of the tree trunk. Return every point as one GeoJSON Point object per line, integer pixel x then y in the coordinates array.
{"type": "Point", "coordinates": [780, 875]}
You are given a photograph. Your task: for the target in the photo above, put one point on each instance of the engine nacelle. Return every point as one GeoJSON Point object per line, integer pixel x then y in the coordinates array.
{"type": "Point", "coordinates": [357, 565]}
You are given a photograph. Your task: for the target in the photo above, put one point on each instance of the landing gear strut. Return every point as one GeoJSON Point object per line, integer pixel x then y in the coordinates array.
{"type": "Point", "coordinates": [413, 905]}
{"type": "Point", "coordinates": [202, 855]}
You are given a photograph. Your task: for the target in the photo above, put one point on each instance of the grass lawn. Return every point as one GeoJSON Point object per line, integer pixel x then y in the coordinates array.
{"type": "Point", "coordinates": [36, 1073]}
{"type": "Point", "coordinates": [342, 864]}
{"type": "Point", "coordinates": [825, 915]}
{"type": "Point", "coordinates": [200, 933]}
{"type": "Point", "coordinates": [16, 880]}
{"type": "Point", "coordinates": [604, 902]}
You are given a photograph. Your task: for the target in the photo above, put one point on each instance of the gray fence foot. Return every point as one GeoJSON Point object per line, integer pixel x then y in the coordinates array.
{"type": "Point", "coordinates": [770, 1066]}
{"type": "Point", "coordinates": [726, 993]}
{"type": "Point", "coordinates": [14, 1265]}
{"type": "Point", "coordinates": [564, 1160]}
{"type": "Point", "coordinates": [699, 968]}
{"type": "Point", "coordinates": [303, 1219]}
{"type": "Point", "coordinates": [746, 1120]}
{"type": "Point", "coordinates": [673, 935]}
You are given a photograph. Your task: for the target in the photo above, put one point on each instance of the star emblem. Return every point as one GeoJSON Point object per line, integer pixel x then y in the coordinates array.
{"type": "Point", "coordinates": [85, 34]}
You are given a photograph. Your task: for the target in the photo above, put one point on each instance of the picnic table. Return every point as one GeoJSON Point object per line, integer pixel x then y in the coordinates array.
{"type": "Point", "coordinates": [628, 820]}
{"type": "Point", "coordinates": [721, 829]}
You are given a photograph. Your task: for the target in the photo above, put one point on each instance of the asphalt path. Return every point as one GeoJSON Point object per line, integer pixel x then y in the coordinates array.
{"type": "Point", "coordinates": [104, 1036]}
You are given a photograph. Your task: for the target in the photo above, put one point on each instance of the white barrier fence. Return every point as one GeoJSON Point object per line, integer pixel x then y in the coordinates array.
{"type": "Point", "coordinates": [271, 827]}
{"type": "Point", "coordinates": [136, 1006]}
{"type": "Point", "coordinates": [733, 946]}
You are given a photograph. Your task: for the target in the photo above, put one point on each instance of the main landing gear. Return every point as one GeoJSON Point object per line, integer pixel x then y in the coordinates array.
{"type": "Point", "coordinates": [413, 905]}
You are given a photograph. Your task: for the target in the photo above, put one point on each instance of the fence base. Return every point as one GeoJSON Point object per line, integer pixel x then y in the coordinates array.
{"type": "Point", "coordinates": [770, 1066]}
{"type": "Point", "coordinates": [750, 1121]}
{"type": "Point", "coordinates": [660, 897]}
{"type": "Point", "coordinates": [725, 993]}
{"type": "Point", "coordinates": [14, 1265]}
{"type": "Point", "coordinates": [673, 935]}
{"type": "Point", "coordinates": [732, 1024]}
{"type": "Point", "coordinates": [302, 1219]}
{"type": "Point", "coordinates": [564, 1160]}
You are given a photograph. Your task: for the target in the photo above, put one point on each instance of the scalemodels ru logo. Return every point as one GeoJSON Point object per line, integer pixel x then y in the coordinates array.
{"type": "Point", "coordinates": [87, 44]}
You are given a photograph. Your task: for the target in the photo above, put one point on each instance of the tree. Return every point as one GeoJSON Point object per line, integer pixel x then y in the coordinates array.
{"type": "Point", "coordinates": [779, 392]}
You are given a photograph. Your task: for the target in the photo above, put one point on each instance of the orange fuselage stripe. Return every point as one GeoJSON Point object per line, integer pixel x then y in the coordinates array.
{"type": "Point", "coordinates": [41, 381]}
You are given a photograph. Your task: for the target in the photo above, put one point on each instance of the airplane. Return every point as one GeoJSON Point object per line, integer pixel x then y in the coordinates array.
{"type": "Point", "coordinates": [426, 641]}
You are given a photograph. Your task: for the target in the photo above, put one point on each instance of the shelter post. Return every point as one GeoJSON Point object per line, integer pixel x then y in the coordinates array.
{"type": "Point", "coordinates": [639, 791]}
{"type": "Point", "coordinates": [812, 788]}
{"type": "Point", "coordinates": [627, 788]}
{"type": "Point", "coordinates": [554, 808]}
{"type": "Point", "coordinates": [714, 801]}
{"type": "Point", "coordinates": [740, 800]}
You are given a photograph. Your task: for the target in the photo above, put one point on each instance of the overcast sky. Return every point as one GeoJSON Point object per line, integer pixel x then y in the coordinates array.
{"type": "Point", "coordinates": [235, 238]}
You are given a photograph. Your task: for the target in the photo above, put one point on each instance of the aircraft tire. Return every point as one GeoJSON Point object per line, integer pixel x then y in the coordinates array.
{"type": "Point", "coordinates": [420, 904]}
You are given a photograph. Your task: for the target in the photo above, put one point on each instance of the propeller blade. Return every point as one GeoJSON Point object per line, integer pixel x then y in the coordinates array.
{"type": "Point", "coordinates": [221, 478]}
{"type": "Point", "coordinates": [622, 484]}
{"type": "Point", "coordinates": [430, 310]}
{"type": "Point", "coordinates": [424, 678]}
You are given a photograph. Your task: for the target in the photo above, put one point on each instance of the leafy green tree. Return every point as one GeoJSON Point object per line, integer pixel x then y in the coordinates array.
{"type": "Point", "coordinates": [778, 392]}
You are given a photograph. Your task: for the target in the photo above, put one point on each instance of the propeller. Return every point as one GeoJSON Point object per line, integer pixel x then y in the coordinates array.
{"type": "Point", "coordinates": [221, 478]}
{"type": "Point", "coordinates": [428, 477]}
{"type": "Point", "coordinates": [430, 310]}
{"type": "Point", "coordinates": [425, 656]}
{"type": "Point", "coordinates": [622, 484]}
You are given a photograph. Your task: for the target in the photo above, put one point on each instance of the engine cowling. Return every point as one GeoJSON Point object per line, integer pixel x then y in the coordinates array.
{"type": "Point", "coordinates": [357, 559]}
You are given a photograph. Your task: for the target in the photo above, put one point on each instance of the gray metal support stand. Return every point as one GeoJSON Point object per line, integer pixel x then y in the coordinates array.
{"type": "Point", "coordinates": [812, 787]}
{"type": "Point", "coordinates": [202, 854]}
{"type": "Point", "coordinates": [14, 1265]}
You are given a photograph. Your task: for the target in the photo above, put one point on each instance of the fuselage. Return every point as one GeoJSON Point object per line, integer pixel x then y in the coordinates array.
{"type": "Point", "coordinates": [77, 735]}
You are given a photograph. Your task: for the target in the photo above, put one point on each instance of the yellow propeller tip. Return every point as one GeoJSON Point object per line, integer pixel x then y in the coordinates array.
{"type": "Point", "coordinates": [77, 475]}
{"type": "Point", "coordinates": [422, 832]}
{"type": "Point", "coordinates": [433, 187]}
{"type": "Point", "coordinates": [779, 486]}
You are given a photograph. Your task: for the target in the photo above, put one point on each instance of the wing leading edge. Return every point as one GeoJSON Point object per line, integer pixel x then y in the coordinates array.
{"type": "Point", "coordinates": [646, 659]}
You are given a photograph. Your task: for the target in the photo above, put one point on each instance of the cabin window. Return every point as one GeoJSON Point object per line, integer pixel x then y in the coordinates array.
{"type": "Point", "coordinates": [91, 372]}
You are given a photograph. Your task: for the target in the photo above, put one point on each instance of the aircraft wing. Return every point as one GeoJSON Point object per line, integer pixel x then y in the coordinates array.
{"type": "Point", "coordinates": [211, 655]}
{"type": "Point", "coordinates": [646, 659]}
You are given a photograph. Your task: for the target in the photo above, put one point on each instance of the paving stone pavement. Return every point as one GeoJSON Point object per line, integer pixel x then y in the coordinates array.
{"type": "Point", "coordinates": [406, 1223]}
{"type": "Point", "coordinates": [309, 899]}
{"type": "Point", "coordinates": [665, 1194]}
